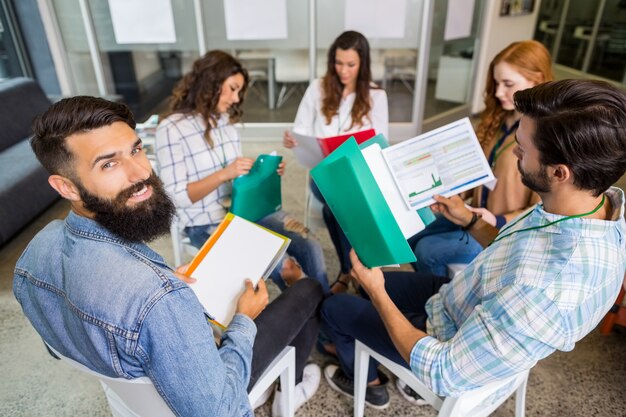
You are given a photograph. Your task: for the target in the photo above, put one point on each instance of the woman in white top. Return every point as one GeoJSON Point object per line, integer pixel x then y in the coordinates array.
{"type": "Point", "coordinates": [345, 100]}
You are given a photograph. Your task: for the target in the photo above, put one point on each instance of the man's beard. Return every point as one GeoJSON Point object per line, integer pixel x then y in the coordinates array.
{"type": "Point", "coordinates": [143, 222]}
{"type": "Point", "coordinates": [536, 181]}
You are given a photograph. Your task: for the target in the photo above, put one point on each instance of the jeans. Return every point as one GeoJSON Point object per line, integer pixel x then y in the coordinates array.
{"type": "Point", "coordinates": [347, 317]}
{"type": "Point", "coordinates": [337, 236]}
{"type": "Point", "coordinates": [290, 320]}
{"type": "Point", "coordinates": [443, 243]}
{"type": "Point", "coordinates": [304, 248]}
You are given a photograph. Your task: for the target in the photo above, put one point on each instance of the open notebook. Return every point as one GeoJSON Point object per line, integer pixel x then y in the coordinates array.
{"type": "Point", "coordinates": [237, 250]}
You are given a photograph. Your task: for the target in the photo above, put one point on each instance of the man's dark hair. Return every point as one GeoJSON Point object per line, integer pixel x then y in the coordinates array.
{"type": "Point", "coordinates": [581, 124]}
{"type": "Point", "coordinates": [67, 117]}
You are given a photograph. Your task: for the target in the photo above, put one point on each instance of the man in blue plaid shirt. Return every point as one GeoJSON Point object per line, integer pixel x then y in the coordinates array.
{"type": "Point", "coordinates": [540, 285]}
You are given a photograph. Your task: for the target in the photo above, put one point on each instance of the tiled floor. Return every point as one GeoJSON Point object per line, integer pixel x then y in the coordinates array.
{"type": "Point", "coordinates": [590, 381]}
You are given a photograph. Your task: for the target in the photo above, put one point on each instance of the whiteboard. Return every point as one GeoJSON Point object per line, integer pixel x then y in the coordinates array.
{"type": "Point", "coordinates": [375, 18]}
{"type": "Point", "coordinates": [254, 19]}
{"type": "Point", "coordinates": [142, 21]}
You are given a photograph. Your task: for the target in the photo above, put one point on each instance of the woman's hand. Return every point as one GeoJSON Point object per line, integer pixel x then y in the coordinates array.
{"type": "Point", "coordinates": [281, 168]}
{"type": "Point", "coordinates": [485, 214]}
{"type": "Point", "coordinates": [240, 166]}
{"type": "Point", "coordinates": [288, 140]}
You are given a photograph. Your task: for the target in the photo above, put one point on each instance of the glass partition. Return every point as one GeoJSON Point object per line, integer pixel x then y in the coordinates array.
{"type": "Point", "coordinates": [451, 63]}
{"type": "Point", "coordinates": [585, 37]}
{"type": "Point", "coordinates": [393, 55]}
{"type": "Point", "coordinates": [140, 74]}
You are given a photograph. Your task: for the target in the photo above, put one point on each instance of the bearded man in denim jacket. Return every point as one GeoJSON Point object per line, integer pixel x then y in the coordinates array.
{"type": "Point", "coordinates": [98, 294]}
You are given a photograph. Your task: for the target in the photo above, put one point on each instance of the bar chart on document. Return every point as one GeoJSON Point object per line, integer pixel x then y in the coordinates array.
{"type": "Point", "coordinates": [419, 175]}
{"type": "Point", "coordinates": [445, 161]}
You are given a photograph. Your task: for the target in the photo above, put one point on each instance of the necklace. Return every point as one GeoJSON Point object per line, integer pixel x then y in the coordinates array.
{"type": "Point", "coordinates": [575, 216]}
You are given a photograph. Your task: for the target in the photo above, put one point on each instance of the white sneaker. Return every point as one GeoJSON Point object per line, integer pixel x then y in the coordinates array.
{"type": "Point", "coordinates": [263, 398]}
{"type": "Point", "coordinates": [311, 376]}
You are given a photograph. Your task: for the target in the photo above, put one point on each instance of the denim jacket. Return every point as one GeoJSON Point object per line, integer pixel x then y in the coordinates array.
{"type": "Point", "coordinates": [117, 308]}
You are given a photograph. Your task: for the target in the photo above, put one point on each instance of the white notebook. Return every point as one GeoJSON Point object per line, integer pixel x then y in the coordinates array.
{"type": "Point", "coordinates": [236, 251]}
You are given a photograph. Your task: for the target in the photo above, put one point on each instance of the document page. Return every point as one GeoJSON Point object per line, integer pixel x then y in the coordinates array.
{"type": "Point", "coordinates": [409, 221]}
{"type": "Point", "coordinates": [446, 161]}
{"type": "Point", "coordinates": [243, 250]}
{"type": "Point", "coordinates": [308, 152]}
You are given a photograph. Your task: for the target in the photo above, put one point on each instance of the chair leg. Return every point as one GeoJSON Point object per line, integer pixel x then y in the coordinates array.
{"type": "Point", "coordinates": [520, 399]}
{"type": "Point", "coordinates": [307, 200]}
{"type": "Point", "coordinates": [361, 362]}
{"type": "Point", "coordinates": [288, 380]}
{"type": "Point", "coordinates": [281, 96]}
{"type": "Point", "coordinates": [176, 244]}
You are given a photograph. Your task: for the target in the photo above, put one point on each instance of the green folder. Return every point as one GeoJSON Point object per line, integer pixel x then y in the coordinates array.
{"type": "Point", "coordinates": [351, 192]}
{"type": "Point", "coordinates": [258, 193]}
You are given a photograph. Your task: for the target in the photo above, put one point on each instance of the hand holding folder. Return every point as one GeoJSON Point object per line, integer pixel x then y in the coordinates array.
{"type": "Point", "coordinates": [258, 193]}
{"type": "Point", "coordinates": [236, 251]}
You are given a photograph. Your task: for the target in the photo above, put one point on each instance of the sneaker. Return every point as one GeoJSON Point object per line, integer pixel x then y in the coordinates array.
{"type": "Point", "coordinates": [303, 392]}
{"type": "Point", "coordinates": [376, 396]}
{"type": "Point", "coordinates": [408, 393]}
{"type": "Point", "coordinates": [264, 397]}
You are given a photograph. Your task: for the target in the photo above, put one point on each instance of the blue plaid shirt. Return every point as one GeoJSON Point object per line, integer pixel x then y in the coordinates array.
{"type": "Point", "coordinates": [521, 299]}
{"type": "Point", "coordinates": [184, 156]}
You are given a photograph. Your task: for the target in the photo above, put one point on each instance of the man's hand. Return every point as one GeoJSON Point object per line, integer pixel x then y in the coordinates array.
{"type": "Point", "coordinates": [239, 166]}
{"type": "Point", "coordinates": [252, 301]}
{"type": "Point", "coordinates": [281, 168]}
{"type": "Point", "coordinates": [484, 214]}
{"type": "Point", "coordinates": [453, 209]}
{"type": "Point", "coordinates": [180, 274]}
{"type": "Point", "coordinates": [288, 140]}
{"type": "Point", "coordinates": [372, 280]}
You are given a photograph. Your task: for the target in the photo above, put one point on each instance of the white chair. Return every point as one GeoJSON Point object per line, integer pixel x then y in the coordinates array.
{"type": "Point", "coordinates": [139, 398]}
{"type": "Point", "coordinates": [181, 245]}
{"type": "Point", "coordinates": [292, 68]}
{"type": "Point", "coordinates": [476, 403]}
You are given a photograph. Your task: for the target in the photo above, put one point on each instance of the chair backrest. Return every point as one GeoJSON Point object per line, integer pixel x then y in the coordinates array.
{"type": "Point", "coordinates": [127, 397]}
{"type": "Point", "coordinates": [139, 398]}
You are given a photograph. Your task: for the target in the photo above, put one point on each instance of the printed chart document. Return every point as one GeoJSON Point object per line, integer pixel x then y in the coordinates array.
{"type": "Point", "coordinates": [236, 251]}
{"type": "Point", "coordinates": [446, 161]}
{"type": "Point", "coordinates": [311, 150]}
{"type": "Point", "coordinates": [380, 194]}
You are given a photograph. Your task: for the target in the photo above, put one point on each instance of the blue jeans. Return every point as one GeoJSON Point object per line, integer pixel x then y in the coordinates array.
{"type": "Point", "coordinates": [347, 317]}
{"type": "Point", "coordinates": [304, 248]}
{"type": "Point", "coordinates": [337, 236]}
{"type": "Point", "coordinates": [443, 243]}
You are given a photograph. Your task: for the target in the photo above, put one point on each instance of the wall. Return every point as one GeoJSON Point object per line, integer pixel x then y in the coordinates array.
{"type": "Point", "coordinates": [498, 32]}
